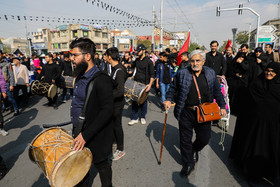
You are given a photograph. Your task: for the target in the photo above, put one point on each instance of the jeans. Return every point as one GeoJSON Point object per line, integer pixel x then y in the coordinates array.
{"type": "Point", "coordinates": [163, 89]}
{"type": "Point", "coordinates": [65, 92]}
{"type": "Point", "coordinates": [143, 108]}
{"type": "Point", "coordinates": [11, 99]}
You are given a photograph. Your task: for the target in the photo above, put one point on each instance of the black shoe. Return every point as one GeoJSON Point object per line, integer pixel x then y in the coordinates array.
{"type": "Point", "coordinates": [195, 156]}
{"type": "Point", "coordinates": [186, 171]}
{"type": "Point", "coordinates": [3, 173]}
{"type": "Point", "coordinates": [16, 113]}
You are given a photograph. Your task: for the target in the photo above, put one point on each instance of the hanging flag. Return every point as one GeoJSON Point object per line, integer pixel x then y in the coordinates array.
{"type": "Point", "coordinates": [184, 48]}
{"type": "Point", "coordinates": [228, 44]}
{"type": "Point", "coordinates": [131, 49]}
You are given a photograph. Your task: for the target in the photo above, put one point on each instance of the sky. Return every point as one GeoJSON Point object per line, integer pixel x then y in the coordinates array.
{"type": "Point", "coordinates": [198, 17]}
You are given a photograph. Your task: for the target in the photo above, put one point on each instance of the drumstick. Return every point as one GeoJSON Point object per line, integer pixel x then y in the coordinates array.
{"type": "Point", "coordinates": [56, 125]}
{"type": "Point", "coordinates": [163, 134]}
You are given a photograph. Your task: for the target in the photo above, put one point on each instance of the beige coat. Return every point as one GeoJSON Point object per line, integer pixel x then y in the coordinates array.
{"type": "Point", "coordinates": [22, 76]}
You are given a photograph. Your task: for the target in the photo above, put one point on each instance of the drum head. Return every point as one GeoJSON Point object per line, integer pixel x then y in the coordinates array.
{"type": "Point", "coordinates": [143, 97]}
{"type": "Point", "coordinates": [71, 168]}
{"type": "Point", "coordinates": [52, 91]}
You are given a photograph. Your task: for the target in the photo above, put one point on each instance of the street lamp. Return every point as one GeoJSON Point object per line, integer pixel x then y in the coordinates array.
{"type": "Point", "coordinates": [234, 30]}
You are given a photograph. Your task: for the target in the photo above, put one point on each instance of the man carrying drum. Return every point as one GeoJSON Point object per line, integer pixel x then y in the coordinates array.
{"type": "Point", "coordinates": [67, 70]}
{"type": "Point", "coordinates": [51, 74]}
{"type": "Point", "coordinates": [144, 74]}
{"type": "Point", "coordinates": [95, 130]}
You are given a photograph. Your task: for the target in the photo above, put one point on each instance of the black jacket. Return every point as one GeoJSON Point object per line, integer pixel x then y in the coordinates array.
{"type": "Point", "coordinates": [66, 68]}
{"type": "Point", "coordinates": [98, 127]}
{"type": "Point", "coordinates": [50, 72]}
{"type": "Point", "coordinates": [119, 75]}
{"type": "Point", "coordinates": [217, 63]}
{"type": "Point", "coordinates": [144, 70]}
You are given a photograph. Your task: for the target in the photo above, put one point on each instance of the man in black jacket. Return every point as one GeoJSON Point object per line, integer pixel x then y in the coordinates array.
{"type": "Point", "coordinates": [96, 132]}
{"type": "Point", "coordinates": [118, 74]}
{"type": "Point", "coordinates": [67, 70]}
{"type": "Point", "coordinates": [144, 74]}
{"type": "Point", "coordinates": [216, 60]}
{"type": "Point", "coordinates": [51, 74]}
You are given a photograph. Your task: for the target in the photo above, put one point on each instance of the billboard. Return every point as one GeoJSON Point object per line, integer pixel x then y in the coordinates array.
{"type": "Point", "coordinates": [180, 36]}
{"type": "Point", "coordinates": [62, 27]}
{"type": "Point", "coordinates": [84, 27]}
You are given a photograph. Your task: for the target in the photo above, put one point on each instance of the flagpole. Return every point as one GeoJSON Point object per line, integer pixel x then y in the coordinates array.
{"type": "Point", "coordinates": [161, 28]}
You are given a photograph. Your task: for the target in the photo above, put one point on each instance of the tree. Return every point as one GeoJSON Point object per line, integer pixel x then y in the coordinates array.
{"type": "Point", "coordinates": [146, 43]}
{"type": "Point", "coordinates": [193, 46]}
{"type": "Point", "coordinates": [222, 47]}
{"type": "Point", "coordinates": [242, 37]}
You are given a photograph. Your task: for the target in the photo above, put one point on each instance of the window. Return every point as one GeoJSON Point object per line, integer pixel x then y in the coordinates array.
{"type": "Point", "coordinates": [36, 37]}
{"type": "Point", "coordinates": [104, 35]}
{"type": "Point", "coordinates": [64, 45]}
{"type": "Point", "coordinates": [63, 33]}
{"type": "Point", "coordinates": [59, 46]}
{"type": "Point", "coordinates": [126, 46]}
{"type": "Point", "coordinates": [97, 34]}
{"type": "Point", "coordinates": [75, 34]}
{"type": "Point", "coordinates": [45, 39]}
{"type": "Point", "coordinates": [85, 33]}
{"type": "Point", "coordinates": [41, 37]}
{"type": "Point", "coordinates": [98, 46]}
{"type": "Point", "coordinates": [105, 46]}
{"type": "Point", "coordinates": [44, 31]}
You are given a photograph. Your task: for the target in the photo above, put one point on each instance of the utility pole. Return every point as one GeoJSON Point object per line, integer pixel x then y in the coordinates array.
{"type": "Point", "coordinates": [161, 27]}
{"type": "Point", "coordinates": [153, 29]}
{"type": "Point", "coordinates": [249, 36]}
{"type": "Point", "coordinates": [27, 40]}
{"type": "Point", "coordinates": [240, 12]}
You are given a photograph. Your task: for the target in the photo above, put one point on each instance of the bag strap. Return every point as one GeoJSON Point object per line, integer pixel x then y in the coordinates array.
{"type": "Point", "coordinates": [90, 87]}
{"type": "Point", "coordinates": [115, 73]}
{"type": "Point", "coordinates": [197, 89]}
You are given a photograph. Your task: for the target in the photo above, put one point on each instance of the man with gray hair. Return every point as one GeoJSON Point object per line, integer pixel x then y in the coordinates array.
{"type": "Point", "coordinates": [183, 87]}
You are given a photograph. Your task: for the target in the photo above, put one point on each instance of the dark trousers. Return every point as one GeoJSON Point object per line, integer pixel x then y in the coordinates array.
{"type": "Point", "coordinates": [52, 100]}
{"type": "Point", "coordinates": [23, 88]}
{"type": "Point", "coordinates": [105, 173]}
{"type": "Point", "coordinates": [118, 130]}
{"type": "Point", "coordinates": [188, 122]}
{"type": "Point", "coordinates": [135, 107]}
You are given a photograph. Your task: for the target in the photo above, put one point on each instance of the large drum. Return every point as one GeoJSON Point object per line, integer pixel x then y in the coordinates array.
{"type": "Point", "coordinates": [52, 151]}
{"type": "Point", "coordinates": [67, 82]}
{"type": "Point", "coordinates": [43, 89]}
{"type": "Point", "coordinates": [136, 91]}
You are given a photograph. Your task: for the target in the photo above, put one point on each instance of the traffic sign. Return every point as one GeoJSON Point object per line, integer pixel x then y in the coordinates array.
{"type": "Point", "coordinates": [266, 33]}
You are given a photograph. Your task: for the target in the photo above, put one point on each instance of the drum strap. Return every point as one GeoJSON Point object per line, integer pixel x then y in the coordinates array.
{"type": "Point", "coordinates": [115, 74]}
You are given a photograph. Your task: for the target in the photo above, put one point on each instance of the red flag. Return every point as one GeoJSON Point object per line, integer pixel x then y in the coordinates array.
{"type": "Point", "coordinates": [228, 44]}
{"type": "Point", "coordinates": [131, 49]}
{"type": "Point", "coordinates": [184, 48]}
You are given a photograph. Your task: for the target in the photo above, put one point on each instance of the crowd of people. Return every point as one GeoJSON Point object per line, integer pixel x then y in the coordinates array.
{"type": "Point", "coordinates": [252, 77]}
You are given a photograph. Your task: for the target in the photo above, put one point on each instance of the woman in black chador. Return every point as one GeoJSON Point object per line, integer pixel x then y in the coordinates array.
{"type": "Point", "coordinates": [256, 140]}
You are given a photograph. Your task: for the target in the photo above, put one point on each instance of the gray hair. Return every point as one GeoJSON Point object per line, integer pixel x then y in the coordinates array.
{"type": "Point", "coordinates": [196, 52]}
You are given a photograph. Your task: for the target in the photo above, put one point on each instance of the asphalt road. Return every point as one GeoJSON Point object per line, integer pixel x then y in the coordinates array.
{"type": "Point", "coordinates": [139, 167]}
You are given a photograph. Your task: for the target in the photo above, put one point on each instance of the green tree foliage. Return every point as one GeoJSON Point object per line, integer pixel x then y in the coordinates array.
{"type": "Point", "coordinates": [222, 47]}
{"type": "Point", "coordinates": [146, 43]}
{"type": "Point", "coordinates": [242, 37]}
{"type": "Point", "coordinates": [193, 46]}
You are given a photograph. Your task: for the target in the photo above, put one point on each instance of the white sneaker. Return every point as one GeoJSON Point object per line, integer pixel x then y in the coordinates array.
{"type": "Point", "coordinates": [143, 121]}
{"type": "Point", "coordinates": [3, 132]}
{"type": "Point", "coordinates": [118, 154]}
{"type": "Point", "coordinates": [133, 122]}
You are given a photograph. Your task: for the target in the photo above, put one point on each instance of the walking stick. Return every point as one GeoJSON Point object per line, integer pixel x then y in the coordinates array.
{"type": "Point", "coordinates": [163, 133]}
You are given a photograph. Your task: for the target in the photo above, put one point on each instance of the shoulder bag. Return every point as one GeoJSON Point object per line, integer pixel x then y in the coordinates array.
{"type": "Point", "coordinates": [206, 111]}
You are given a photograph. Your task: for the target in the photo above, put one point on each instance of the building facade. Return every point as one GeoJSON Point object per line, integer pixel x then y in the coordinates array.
{"type": "Point", "coordinates": [59, 39]}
